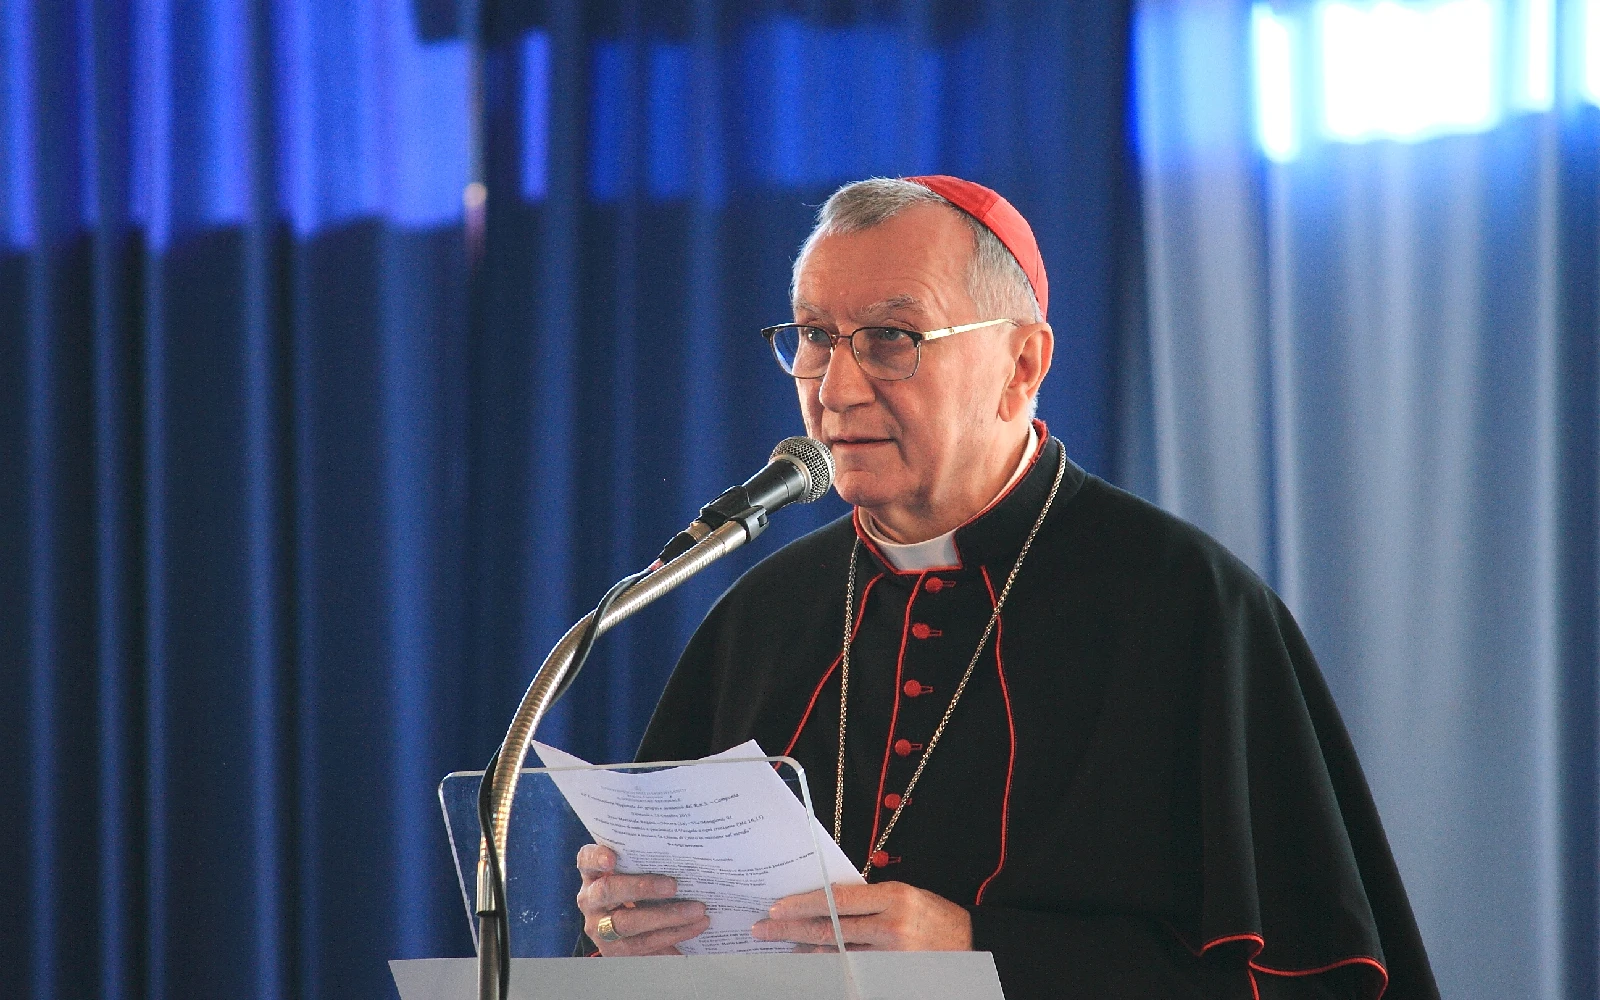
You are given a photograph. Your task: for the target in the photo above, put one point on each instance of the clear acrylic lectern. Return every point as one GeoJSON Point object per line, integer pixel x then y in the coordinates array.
{"type": "Point", "coordinates": [545, 926]}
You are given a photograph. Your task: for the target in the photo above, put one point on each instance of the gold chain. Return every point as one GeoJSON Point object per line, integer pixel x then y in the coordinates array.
{"type": "Point", "coordinates": [933, 741]}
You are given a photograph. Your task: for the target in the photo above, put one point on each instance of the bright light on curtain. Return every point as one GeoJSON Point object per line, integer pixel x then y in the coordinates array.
{"type": "Point", "coordinates": [1341, 71]}
{"type": "Point", "coordinates": [1370, 259]}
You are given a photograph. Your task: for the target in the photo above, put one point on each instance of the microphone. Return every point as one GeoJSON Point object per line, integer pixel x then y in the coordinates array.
{"type": "Point", "coordinates": [800, 471]}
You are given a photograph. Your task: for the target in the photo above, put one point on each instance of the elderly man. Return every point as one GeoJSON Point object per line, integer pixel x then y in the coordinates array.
{"type": "Point", "coordinates": [1047, 719]}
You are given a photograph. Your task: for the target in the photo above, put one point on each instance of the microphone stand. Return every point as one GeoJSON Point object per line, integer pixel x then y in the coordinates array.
{"type": "Point", "coordinates": [541, 695]}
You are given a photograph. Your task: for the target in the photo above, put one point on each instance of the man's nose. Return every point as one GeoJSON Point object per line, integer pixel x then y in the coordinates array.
{"type": "Point", "coordinates": [844, 384]}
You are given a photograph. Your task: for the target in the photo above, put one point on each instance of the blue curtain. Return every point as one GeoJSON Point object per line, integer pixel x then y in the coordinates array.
{"type": "Point", "coordinates": [1371, 370]}
{"type": "Point", "coordinates": [310, 445]}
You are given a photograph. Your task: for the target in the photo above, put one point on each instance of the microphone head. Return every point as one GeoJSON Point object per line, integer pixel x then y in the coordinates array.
{"type": "Point", "coordinates": [812, 459]}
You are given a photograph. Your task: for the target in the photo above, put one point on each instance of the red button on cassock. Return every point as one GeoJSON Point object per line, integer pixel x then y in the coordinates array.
{"type": "Point", "coordinates": [902, 748]}
{"type": "Point", "coordinates": [891, 801]}
{"type": "Point", "coordinates": [923, 631]}
{"type": "Point", "coordinates": [879, 859]}
{"type": "Point", "coordinates": [915, 689]}
{"type": "Point", "coordinates": [934, 585]}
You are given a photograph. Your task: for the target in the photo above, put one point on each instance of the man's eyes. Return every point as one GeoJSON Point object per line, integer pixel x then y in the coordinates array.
{"type": "Point", "coordinates": [818, 337]}
{"type": "Point", "coordinates": [887, 335]}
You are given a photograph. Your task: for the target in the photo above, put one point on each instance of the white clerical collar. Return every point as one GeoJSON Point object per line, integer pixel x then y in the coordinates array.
{"type": "Point", "coordinates": [940, 552]}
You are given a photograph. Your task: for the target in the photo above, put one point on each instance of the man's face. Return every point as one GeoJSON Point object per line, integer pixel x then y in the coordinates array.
{"type": "Point", "coordinates": [904, 446]}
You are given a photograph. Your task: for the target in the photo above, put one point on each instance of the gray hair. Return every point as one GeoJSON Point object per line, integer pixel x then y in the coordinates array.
{"type": "Point", "coordinates": [995, 280]}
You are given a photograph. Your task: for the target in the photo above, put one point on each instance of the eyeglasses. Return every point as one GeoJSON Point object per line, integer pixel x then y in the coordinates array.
{"type": "Point", "coordinates": [884, 352]}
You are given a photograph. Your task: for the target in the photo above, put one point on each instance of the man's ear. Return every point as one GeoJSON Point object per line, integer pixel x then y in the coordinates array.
{"type": "Point", "coordinates": [1033, 346]}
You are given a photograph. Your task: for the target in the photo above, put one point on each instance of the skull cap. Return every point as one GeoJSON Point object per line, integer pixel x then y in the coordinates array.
{"type": "Point", "coordinates": [1002, 219]}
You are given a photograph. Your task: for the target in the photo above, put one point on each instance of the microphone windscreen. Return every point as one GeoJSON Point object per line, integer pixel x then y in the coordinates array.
{"type": "Point", "coordinates": [812, 457]}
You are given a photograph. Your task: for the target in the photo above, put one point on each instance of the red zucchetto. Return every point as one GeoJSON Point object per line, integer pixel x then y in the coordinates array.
{"type": "Point", "coordinates": [1002, 219]}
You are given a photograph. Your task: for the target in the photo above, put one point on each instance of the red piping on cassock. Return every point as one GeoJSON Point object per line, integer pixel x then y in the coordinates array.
{"type": "Point", "coordinates": [855, 631]}
{"type": "Point", "coordinates": [1011, 726]}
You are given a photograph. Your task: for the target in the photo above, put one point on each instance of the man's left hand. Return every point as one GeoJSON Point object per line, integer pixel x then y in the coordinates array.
{"type": "Point", "coordinates": [890, 916]}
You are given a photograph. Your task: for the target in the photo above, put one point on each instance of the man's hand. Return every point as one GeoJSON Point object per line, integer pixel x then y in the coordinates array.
{"type": "Point", "coordinates": [890, 916]}
{"type": "Point", "coordinates": [647, 925]}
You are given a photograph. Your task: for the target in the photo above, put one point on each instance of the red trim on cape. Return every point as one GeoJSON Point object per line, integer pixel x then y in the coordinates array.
{"type": "Point", "coordinates": [855, 513]}
{"type": "Point", "coordinates": [894, 713]}
{"type": "Point", "coordinates": [1229, 939]}
{"type": "Point", "coordinates": [1011, 725]}
{"type": "Point", "coordinates": [1260, 943]}
{"type": "Point", "coordinates": [1356, 960]}
{"type": "Point", "coordinates": [865, 592]}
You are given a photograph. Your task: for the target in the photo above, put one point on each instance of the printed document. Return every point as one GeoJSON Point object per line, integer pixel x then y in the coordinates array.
{"type": "Point", "coordinates": [733, 835]}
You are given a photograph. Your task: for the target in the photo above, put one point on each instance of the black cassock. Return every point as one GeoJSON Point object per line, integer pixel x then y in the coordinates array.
{"type": "Point", "coordinates": [1145, 791]}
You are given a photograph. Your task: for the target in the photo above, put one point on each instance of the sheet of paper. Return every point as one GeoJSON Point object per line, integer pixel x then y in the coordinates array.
{"type": "Point", "coordinates": [733, 835]}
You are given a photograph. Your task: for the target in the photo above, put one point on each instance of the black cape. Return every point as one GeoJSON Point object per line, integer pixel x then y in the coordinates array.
{"type": "Point", "coordinates": [1145, 791]}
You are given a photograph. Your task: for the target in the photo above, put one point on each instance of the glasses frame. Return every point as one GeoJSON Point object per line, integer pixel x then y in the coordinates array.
{"type": "Point", "coordinates": [917, 337]}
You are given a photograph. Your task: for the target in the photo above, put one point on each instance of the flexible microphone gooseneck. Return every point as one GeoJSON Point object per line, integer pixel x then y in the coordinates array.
{"type": "Point", "coordinates": [801, 470]}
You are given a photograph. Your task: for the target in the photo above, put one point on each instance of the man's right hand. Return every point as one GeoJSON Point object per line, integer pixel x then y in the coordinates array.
{"type": "Point", "coordinates": [633, 902]}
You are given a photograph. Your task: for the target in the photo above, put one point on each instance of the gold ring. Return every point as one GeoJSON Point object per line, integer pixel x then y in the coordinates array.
{"type": "Point", "coordinates": [607, 929]}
